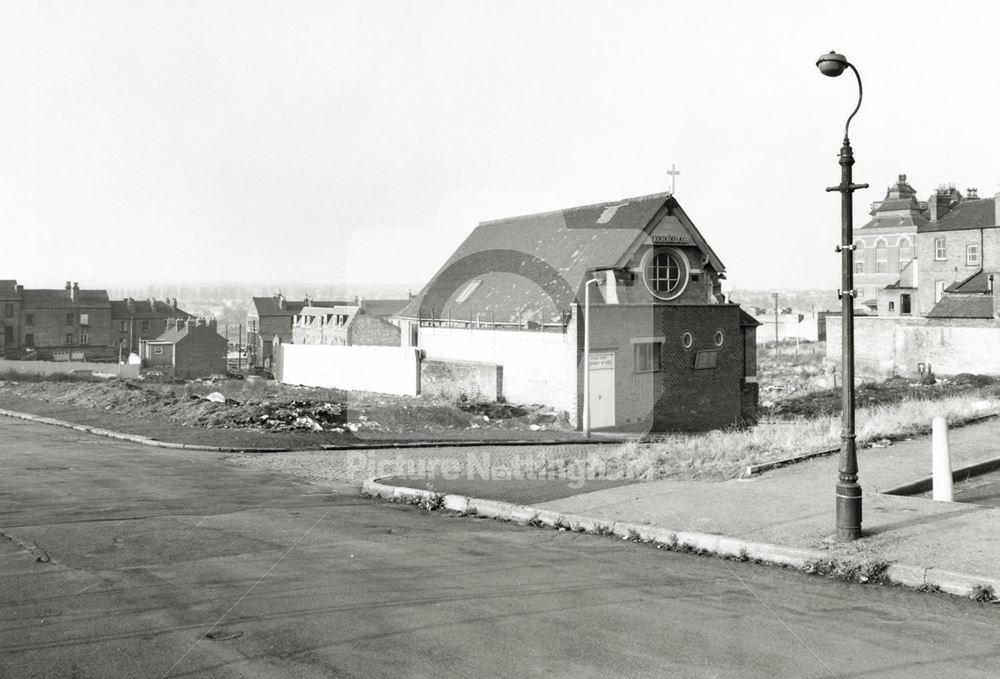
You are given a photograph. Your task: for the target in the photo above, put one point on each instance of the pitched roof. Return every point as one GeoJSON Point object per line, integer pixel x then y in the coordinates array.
{"type": "Point", "coordinates": [978, 282]}
{"type": "Point", "coordinates": [968, 214]}
{"type": "Point", "coordinates": [383, 307]}
{"type": "Point", "coordinates": [59, 299]}
{"type": "Point", "coordinates": [144, 308]}
{"type": "Point", "coordinates": [172, 335]}
{"type": "Point", "coordinates": [531, 267]}
{"type": "Point", "coordinates": [963, 306]}
{"type": "Point", "coordinates": [271, 306]}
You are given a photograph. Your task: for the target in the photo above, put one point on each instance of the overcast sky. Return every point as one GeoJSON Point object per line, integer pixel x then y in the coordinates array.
{"type": "Point", "coordinates": [297, 141]}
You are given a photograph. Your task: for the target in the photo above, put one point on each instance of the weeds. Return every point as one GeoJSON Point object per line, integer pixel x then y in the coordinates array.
{"type": "Point", "coordinates": [983, 594]}
{"type": "Point", "coordinates": [865, 573]}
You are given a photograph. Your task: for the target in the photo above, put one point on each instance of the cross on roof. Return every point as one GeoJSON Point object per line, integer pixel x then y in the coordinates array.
{"type": "Point", "coordinates": [673, 172]}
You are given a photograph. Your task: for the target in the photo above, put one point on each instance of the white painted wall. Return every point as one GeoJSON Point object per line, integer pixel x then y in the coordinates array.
{"type": "Point", "coordinates": [389, 370]}
{"type": "Point", "coordinates": [538, 367]}
{"type": "Point", "coordinates": [65, 367]}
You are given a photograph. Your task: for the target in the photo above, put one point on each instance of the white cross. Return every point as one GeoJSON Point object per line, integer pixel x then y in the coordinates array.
{"type": "Point", "coordinates": [673, 172]}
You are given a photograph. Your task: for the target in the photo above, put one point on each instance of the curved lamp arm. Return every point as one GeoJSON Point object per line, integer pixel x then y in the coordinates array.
{"type": "Point", "coordinates": [833, 65]}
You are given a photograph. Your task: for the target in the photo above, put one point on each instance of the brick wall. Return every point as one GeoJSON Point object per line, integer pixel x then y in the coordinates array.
{"type": "Point", "coordinates": [50, 328]}
{"type": "Point", "coordinates": [679, 397]}
{"type": "Point", "coordinates": [884, 347]}
{"type": "Point", "coordinates": [368, 330]}
{"type": "Point", "coordinates": [200, 353]}
{"type": "Point", "coordinates": [454, 379]}
{"type": "Point", "coordinates": [162, 360]}
{"type": "Point", "coordinates": [954, 267]}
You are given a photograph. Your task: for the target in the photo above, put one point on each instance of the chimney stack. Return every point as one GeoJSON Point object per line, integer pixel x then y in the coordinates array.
{"type": "Point", "coordinates": [281, 301]}
{"type": "Point", "coordinates": [972, 193]}
{"type": "Point", "coordinates": [130, 306]}
{"type": "Point", "coordinates": [173, 303]}
{"type": "Point", "coordinates": [74, 290]}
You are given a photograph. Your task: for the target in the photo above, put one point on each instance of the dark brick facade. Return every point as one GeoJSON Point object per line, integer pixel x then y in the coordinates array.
{"type": "Point", "coordinates": [680, 396]}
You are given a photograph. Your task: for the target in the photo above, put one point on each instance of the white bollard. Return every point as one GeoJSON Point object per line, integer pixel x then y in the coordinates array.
{"type": "Point", "coordinates": [941, 460]}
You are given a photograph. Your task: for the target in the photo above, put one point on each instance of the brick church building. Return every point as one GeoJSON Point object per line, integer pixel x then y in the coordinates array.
{"type": "Point", "coordinates": [667, 352]}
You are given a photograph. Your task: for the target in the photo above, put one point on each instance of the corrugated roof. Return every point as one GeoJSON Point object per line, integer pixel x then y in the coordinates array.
{"type": "Point", "coordinates": [533, 266]}
{"type": "Point", "coordinates": [58, 299]}
{"type": "Point", "coordinates": [143, 308]}
{"type": "Point", "coordinates": [968, 214]}
{"type": "Point", "coordinates": [963, 306]}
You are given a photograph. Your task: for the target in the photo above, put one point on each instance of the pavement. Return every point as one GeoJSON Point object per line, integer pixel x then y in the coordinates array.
{"type": "Point", "coordinates": [123, 560]}
{"type": "Point", "coordinates": [784, 516]}
{"type": "Point", "coordinates": [787, 515]}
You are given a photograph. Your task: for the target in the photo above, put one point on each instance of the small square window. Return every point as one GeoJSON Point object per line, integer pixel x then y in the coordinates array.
{"type": "Point", "coordinates": [29, 319]}
{"type": "Point", "coordinates": [648, 356]}
{"type": "Point", "coordinates": [70, 318]}
{"type": "Point", "coordinates": [84, 319]}
{"type": "Point", "coordinates": [144, 325]}
{"type": "Point", "coordinates": [158, 350]}
{"type": "Point", "coordinates": [84, 338]}
{"type": "Point", "coordinates": [972, 254]}
{"type": "Point", "coordinates": [69, 338]}
{"type": "Point", "coordinates": [940, 253]}
{"type": "Point", "coordinates": [123, 326]}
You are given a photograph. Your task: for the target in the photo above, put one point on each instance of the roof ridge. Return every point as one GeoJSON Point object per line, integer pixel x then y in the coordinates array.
{"type": "Point", "coordinates": [547, 213]}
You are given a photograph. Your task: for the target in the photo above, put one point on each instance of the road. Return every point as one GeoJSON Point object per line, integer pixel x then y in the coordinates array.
{"type": "Point", "coordinates": [126, 561]}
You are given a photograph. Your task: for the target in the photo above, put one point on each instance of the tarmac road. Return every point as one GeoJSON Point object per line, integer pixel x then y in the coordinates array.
{"type": "Point", "coordinates": [126, 561]}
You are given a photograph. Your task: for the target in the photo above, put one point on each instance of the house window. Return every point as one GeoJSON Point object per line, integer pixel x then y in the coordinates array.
{"type": "Point", "coordinates": [29, 340]}
{"type": "Point", "coordinates": [719, 338]}
{"type": "Point", "coordinates": [8, 334]}
{"type": "Point", "coordinates": [905, 251]}
{"type": "Point", "coordinates": [939, 251]}
{"type": "Point", "coordinates": [158, 351]}
{"type": "Point", "coordinates": [123, 326]}
{"type": "Point", "coordinates": [29, 319]}
{"type": "Point", "coordinates": [69, 338]}
{"type": "Point", "coordinates": [84, 319]}
{"type": "Point", "coordinates": [84, 338]}
{"type": "Point", "coordinates": [8, 310]}
{"type": "Point", "coordinates": [881, 257]}
{"type": "Point", "coordinates": [69, 320]}
{"type": "Point", "coordinates": [972, 254]}
{"type": "Point", "coordinates": [687, 339]}
{"type": "Point", "coordinates": [144, 325]}
{"type": "Point", "coordinates": [706, 359]}
{"type": "Point", "coordinates": [648, 356]}
{"type": "Point", "coordinates": [859, 267]}
{"type": "Point", "coordinates": [938, 291]}
{"type": "Point", "coordinates": [892, 305]}
{"type": "Point", "coordinates": [664, 271]}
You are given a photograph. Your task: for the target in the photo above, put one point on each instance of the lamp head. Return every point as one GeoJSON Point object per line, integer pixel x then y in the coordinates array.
{"type": "Point", "coordinates": [832, 64]}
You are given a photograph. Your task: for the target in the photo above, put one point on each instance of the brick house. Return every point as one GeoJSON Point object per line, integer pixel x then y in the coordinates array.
{"type": "Point", "coordinates": [133, 321]}
{"type": "Point", "coordinates": [343, 326]}
{"type": "Point", "coordinates": [10, 316]}
{"type": "Point", "coordinates": [58, 322]}
{"type": "Point", "coordinates": [667, 352]}
{"type": "Point", "coordinates": [273, 317]}
{"type": "Point", "coordinates": [187, 349]}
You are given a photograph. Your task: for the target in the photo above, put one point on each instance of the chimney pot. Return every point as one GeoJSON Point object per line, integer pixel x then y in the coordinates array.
{"type": "Point", "coordinates": [69, 285]}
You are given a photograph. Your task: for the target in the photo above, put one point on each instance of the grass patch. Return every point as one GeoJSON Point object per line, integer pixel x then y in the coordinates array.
{"type": "Point", "coordinates": [726, 454]}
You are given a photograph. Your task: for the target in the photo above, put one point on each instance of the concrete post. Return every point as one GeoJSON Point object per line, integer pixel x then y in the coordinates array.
{"type": "Point", "coordinates": [941, 460]}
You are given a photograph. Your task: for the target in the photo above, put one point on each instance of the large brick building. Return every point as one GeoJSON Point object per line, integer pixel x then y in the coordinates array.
{"type": "Point", "coordinates": [913, 253]}
{"type": "Point", "coordinates": [273, 317]}
{"type": "Point", "coordinates": [666, 351]}
{"type": "Point", "coordinates": [135, 320]}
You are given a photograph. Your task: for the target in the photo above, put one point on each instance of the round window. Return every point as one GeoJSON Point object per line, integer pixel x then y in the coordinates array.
{"type": "Point", "coordinates": [719, 338]}
{"type": "Point", "coordinates": [687, 339]}
{"type": "Point", "coordinates": [664, 270]}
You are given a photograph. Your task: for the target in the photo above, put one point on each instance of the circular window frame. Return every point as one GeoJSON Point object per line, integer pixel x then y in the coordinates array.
{"type": "Point", "coordinates": [687, 340]}
{"type": "Point", "coordinates": [683, 276]}
{"type": "Point", "coordinates": [719, 337]}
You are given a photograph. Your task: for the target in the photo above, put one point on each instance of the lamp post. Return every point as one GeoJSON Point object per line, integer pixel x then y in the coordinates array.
{"type": "Point", "coordinates": [848, 489]}
{"type": "Point", "coordinates": [586, 356]}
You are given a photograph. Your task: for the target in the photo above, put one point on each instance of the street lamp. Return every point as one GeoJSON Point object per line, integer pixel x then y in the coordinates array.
{"type": "Point", "coordinates": [848, 489]}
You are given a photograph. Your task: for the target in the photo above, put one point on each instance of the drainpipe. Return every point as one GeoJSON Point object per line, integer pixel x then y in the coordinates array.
{"type": "Point", "coordinates": [586, 356]}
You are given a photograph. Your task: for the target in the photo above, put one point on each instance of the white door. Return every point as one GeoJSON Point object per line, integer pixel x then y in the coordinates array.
{"type": "Point", "coordinates": [602, 390]}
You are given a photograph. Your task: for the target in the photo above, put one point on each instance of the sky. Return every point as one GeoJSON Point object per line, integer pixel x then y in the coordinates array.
{"type": "Point", "coordinates": [146, 142]}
